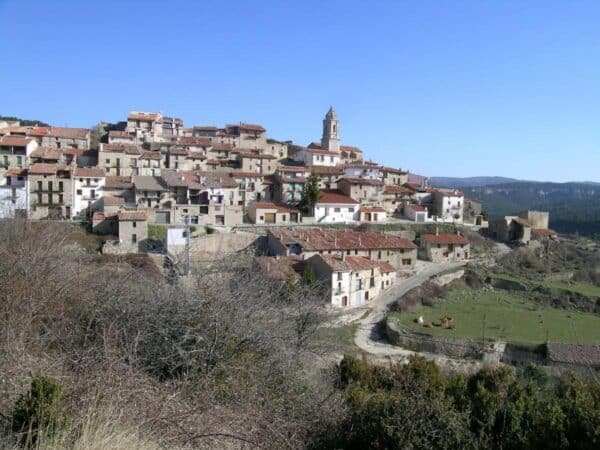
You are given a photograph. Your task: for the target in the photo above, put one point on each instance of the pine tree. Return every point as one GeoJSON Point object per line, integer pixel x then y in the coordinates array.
{"type": "Point", "coordinates": [310, 195]}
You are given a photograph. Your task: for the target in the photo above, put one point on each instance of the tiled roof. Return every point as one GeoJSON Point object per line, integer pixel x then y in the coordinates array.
{"type": "Point", "coordinates": [222, 146]}
{"type": "Point", "coordinates": [151, 155]}
{"type": "Point", "coordinates": [393, 189]}
{"type": "Point", "coordinates": [43, 169]}
{"type": "Point", "coordinates": [247, 153]}
{"type": "Point", "coordinates": [449, 192]}
{"type": "Point", "coordinates": [334, 196]}
{"type": "Point", "coordinates": [148, 183]}
{"type": "Point", "coordinates": [15, 172]}
{"type": "Point", "coordinates": [279, 208]}
{"type": "Point", "coordinates": [47, 153]}
{"type": "Point", "coordinates": [241, 174]}
{"type": "Point", "coordinates": [15, 141]}
{"type": "Point", "coordinates": [117, 182]}
{"type": "Point", "coordinates": [173, 178]}
{"type": "Point", "coordinates": [129, 149]}
{"type": "Point", "coordinates": [315, 239]}
{"type": "Point", "coordinates": [128, 216]}
{"type": "Point", "coordinates": [292, 169]}
{"type": "Point", "coordinates": [372, 209]}
{"type": "Point", "coordinates": [282, 267]}
{"type": "Point", "coordinates": [68, 133]}
{"type": "Point", "coordinates": [354, 263]}
{"type": "Point", "coordinates": [92, 172]}
{"type": "Point", "coordinates": [444, 238]}
{"type": "Point", "coordinates": [110, 200]}
{"type": "Point", "coordinates": [195, 141]}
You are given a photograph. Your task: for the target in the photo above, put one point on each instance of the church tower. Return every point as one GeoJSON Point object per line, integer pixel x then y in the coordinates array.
{"type": "Point", "coordinates": [331, 132]}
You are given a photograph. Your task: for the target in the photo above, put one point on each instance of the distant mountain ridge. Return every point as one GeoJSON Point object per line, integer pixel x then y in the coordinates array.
{"type": "Point", "coordinates": [459, 183]}
{"type": "Point", "coordinates": [574, 207]}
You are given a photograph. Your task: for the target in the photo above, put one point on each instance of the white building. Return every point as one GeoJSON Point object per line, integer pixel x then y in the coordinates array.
{"type": "Point", "coordinates": [366, 171]}
{"type": "Point", "coordinates": [14, 193]}
{"type": "Point", "coordinates": [448, 205]}
{"type": "Point", "coordinates": [88, 185]}
{"type": "Point", "coordinates": [316, 157]}
{"type": "Point", "coordinates": [333, 206]}
{"type": "Point", "coordinates": [416, 213]}
{"type": "Point", "coordinates": [352, 280]}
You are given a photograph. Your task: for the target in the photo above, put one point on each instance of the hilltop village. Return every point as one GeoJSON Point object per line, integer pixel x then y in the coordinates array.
{"type": "Point", "coordinates": [151, 170]}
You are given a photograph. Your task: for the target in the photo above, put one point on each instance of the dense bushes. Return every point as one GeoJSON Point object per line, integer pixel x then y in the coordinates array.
{"type": "Point", "coordinates": [416, 406]}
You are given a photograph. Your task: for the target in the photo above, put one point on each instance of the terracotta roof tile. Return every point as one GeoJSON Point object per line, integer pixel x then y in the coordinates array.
{"type": "Point", "coordinates": [128, 216]}
{"type": "Point", "coordinates": [315, 239]}
{"type": "Point", "coordinates": [92, 172]}
{"type": "Point", "coordinates": [334, 196]}
{"type": "Point", "coordinates": [15, 141]}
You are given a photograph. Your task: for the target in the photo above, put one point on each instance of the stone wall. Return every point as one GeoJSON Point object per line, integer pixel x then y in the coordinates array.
{"type": "Point", "coordinates": [417, 342]}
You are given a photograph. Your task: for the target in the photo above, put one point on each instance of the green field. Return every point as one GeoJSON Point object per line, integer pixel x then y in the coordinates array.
{"type": "Point", "coordinates": [509, 316]}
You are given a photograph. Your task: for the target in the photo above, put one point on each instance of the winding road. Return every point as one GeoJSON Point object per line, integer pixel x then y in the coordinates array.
{"type": "Point", "coordinates": [367, 337]}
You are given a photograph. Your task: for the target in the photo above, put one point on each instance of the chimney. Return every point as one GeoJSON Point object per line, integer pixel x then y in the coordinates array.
{"type": "Point", "coordinates": [458, 233]}
{"type": "Point", "coordinates": [437, 231]}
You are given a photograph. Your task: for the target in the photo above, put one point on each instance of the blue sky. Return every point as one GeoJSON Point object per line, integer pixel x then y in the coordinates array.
{"type": "Point", "coordinates": [459, 88]}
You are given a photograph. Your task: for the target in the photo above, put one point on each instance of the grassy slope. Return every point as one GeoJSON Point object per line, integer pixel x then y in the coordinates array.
{"type": "Point", "coordinates": [509, 316]}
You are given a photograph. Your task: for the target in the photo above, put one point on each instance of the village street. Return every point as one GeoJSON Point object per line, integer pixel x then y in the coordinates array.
{"type": "Point", "coordinates": [367, 336]}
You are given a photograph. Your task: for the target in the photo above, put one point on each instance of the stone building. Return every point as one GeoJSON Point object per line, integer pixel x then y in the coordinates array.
{"type": "Point", "coordinates": [271, 213]}
{"type": "Point", "coordinates": [88, 184]}
{"type": "Point", "coordinates": [50, 191]}
{"type": "Point", "coordinates": [15, 151]}
{"type": "Point", "coordinates": [440, 247]}
{"type": "Point", "coordinates": [119, 159]}
{"type": "Point", "coordinates": [399, 252]}
{"type": "Point", "coordinates": [331, 132]}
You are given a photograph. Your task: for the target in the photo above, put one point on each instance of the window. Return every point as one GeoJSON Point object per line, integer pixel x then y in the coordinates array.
{"type": "Point", "coordinates": [107, 160]}
{"type": "Point", "coordinates": [134, 225]}
{"type": "Point", "coordinates": [133, 238]}
{"type": "Point", "coordinates": [60, 185]}
{"type": "Point", "coordinates": [49, 185]}
{"type": "Point", "coordinates": [337, 209]}
{"type": "Point", "coordinates": [350, 209]}
{"type": "Point", "coordinates": [339, 274]}
{"type": "Point", "coordinates": [79, 192]}
{"type": "Point", "coordinates": [406, 262]}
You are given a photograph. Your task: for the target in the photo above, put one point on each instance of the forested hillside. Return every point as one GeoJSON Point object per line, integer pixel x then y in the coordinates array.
{"type": "Point", "coordinates": [573, 207]}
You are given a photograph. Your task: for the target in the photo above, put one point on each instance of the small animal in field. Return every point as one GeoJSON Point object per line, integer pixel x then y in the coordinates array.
{"type": "Point", "coordinates": [448, 318]}
{"type": "Point", "coordinates": [429, 324]}
{"type": "Point", "coordinates": [453, 327]}
{"type": "Point", "coordinates": [444, 322]}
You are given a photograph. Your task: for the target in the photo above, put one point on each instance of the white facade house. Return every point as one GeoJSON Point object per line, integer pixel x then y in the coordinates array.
{"type": "Point", "coordinates": [448, 205]}
{"type": "Point", "coordinates": [14, 193]}
{"type": "Point", "coordinates": [88, 186]}
{"type": "Point", "coordinates": [353, 280]}
{"type": "Point", "coordinates": [333, 206]}
{"type": "Point", "coordinates": [316, 157]}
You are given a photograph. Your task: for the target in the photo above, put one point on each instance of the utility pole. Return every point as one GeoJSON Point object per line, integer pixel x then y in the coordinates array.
{"type": "Point", "coordinates": [483, 332]}
{"type": "Point", "coordinates": [187, 268]}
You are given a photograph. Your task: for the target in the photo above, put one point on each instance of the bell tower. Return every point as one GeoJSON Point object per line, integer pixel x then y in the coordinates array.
{"type": "Point", "coordinates": [331, 131]}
